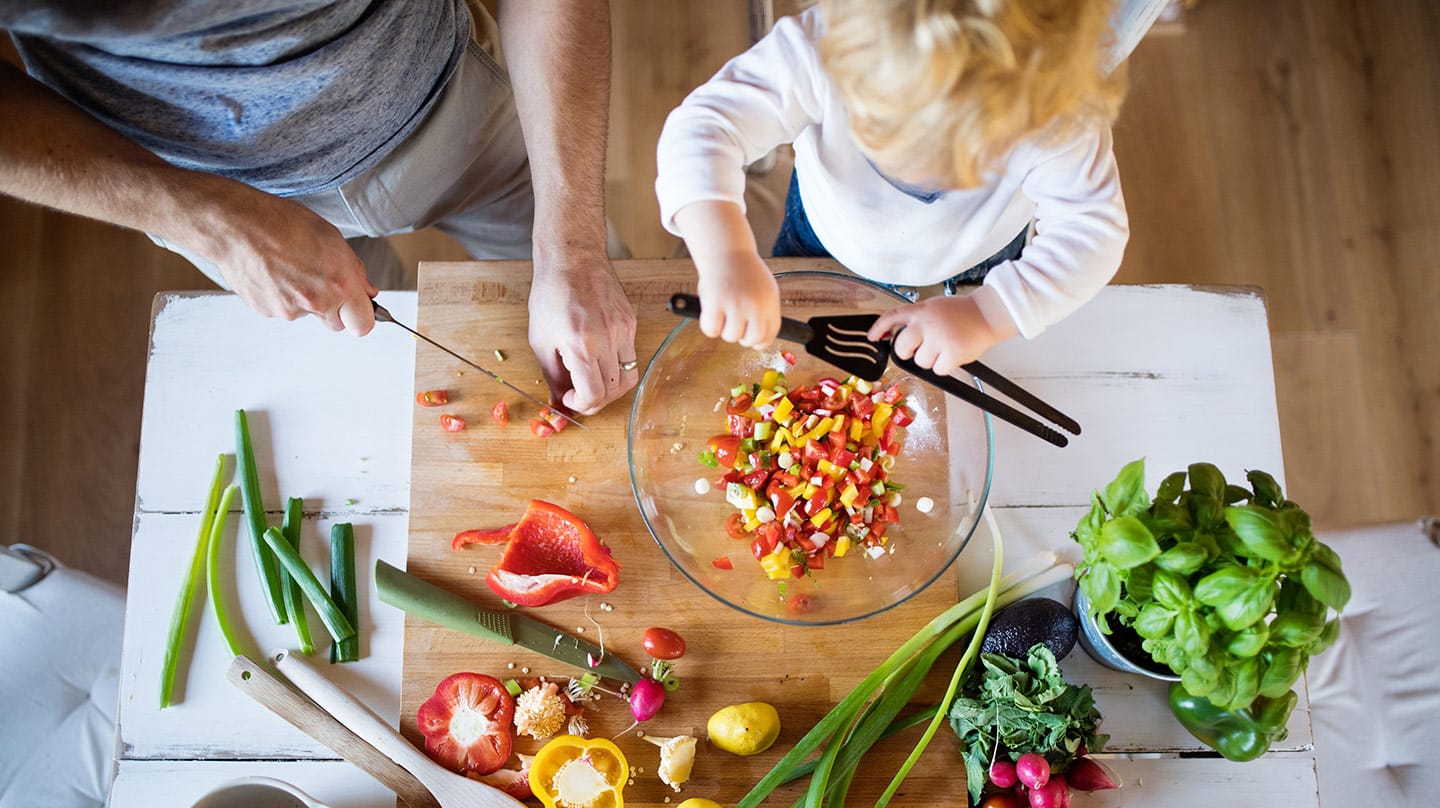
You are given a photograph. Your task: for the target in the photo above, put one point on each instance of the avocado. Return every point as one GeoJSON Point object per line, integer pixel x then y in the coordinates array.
{"type": "Point", "coordinates": [1017, 627]}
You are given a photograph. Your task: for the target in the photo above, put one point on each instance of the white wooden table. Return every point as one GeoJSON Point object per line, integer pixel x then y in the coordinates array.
{"type": "Point", "coordinates": [1171, 373]}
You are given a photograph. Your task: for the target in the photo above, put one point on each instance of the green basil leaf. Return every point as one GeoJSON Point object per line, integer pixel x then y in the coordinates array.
{"type": "Point", "coordinates": [1207, 511]}
{"type": "Point", "coordinates": [1192, 633]}
{"type": "Point", "coordinates": [1154, 621]}
{"type": "Point", "coordinates": [1295, 598]}
{"type": "Point", "coordinates": [1223, 695]}
{"type": "Point", "coordinates": [1285, 666]}
{"type": "Point", "coordinates": [1172, 590]}
{"type": "Point", "coordinates": [1261, 532]}
{"type": "Point", "coordinates": [1102, 587]}
{"type": "Point", "coordinates": [1183, 558]}
{"type": "Point", "coordinates": [1169, 519]}
{"type": "Point", "coordinates": [1267, 491]}
{"type": "Point", "coordinates": [1328, 636]}
{"type": "Point", "coordinates": [1140, 582]}
{"type": "Point", "coordinates": [1296, 630]}
{"type": "Point", "coordinates": [1126, 542]}
{"type": "Point", "coordinates": [1170, 488]}
{"type": "Point", "coordinates": [1247, 682]}
{"type": "Point", "coordinates": [1236, 493]}
{"type": "Point", "coordinates": [1125, 495]}
{"type": "Point", "coordinates": [1224, 585]}
{"type": "Point", "coordinates": [1249, 642]}
{"type": "Point", "coordinates": [1207, 479]}
{"type": "Point", "coordinates": [1327, 585]}
{"type": "Point", "coordinates": [1248, 607]}
{"type": "Point", "coordinates": [1088, 529]}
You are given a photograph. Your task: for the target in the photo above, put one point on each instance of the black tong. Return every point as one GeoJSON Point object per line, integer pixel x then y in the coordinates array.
{"type": "Point", "coordinates": [842, 342]}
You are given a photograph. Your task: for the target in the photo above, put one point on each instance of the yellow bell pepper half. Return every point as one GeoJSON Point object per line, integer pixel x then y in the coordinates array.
{"type": "Point", "coordinates": [575, 772]}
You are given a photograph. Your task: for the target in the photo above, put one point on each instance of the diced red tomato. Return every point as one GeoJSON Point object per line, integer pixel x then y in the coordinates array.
{"type": "Point", "coordinates": [817, 560]}
{"type": "Point", "coordinates": [892, 394]}
{"type": "Point", "coordinates": [739, 405]}
{"type": "Point", "coordinates": [740, 426]}
{"type": "Point", "coordinates": [902, 417]}
{"type": "Point", "coordinates": [841, 456]}
{"type": "Point", "coordinates": [892, 514]}
{"type": "Point", "coordinates": [815, 504]}
{"type": "Point", "coordinates": [553, 418]}
{"type": "Point", "coordinates": [722, 563]}
{"type": "Point", "coordinates": [797, 571]}
{"type": "Point", "coordinates": [860, 406]}
{"type": "Point", "coordinates": [451, 423]}
{"type": "Point", "coordinates": [726, 449]}
{"type": "Point", "coordinates": [760, 547]}
{"type": "Point", "coordinates": [756, 479]}
{"type": "Point", "coordinates": [732, 476]}
{"type": "Point", "coordinates": [542, 429]}
{"type": "Point", "coordinates": [501, 413]}
{"type": "Point", "coordinates": [799, 603]}
{"type": "Point", "coordinates": [735, 526]}
{"type": "Point", "coordinates": [433, 398]}
{"type": "Point", "coordinates": [788, 357]}
{"type": "Point", "coordinates": [814, 452]}
{"type": "Point", "coordinates": [887, 437]}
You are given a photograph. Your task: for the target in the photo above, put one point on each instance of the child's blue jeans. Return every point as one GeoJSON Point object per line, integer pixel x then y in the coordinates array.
{"type": "Point", "coordinates": [798, 240]}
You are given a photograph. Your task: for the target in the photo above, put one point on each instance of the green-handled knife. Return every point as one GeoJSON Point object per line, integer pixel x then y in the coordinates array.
{"type": "Point", "coordinates": [431, 603]}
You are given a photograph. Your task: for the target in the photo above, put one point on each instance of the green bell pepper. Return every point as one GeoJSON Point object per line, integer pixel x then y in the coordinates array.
{"type": "Point", "coordinates": [1238, 735]}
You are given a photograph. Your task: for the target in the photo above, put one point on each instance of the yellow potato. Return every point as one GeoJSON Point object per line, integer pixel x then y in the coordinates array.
{"type": "Point", "coordinates": [700, 802]}
{"type": "Point", "coordinates": [744, 729]}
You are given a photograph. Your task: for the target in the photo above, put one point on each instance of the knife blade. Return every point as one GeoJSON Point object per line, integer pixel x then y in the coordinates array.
{"type": "Point", "coordinates": [383, 315]}
{"type": "Point", "coordinates": [433, 604]}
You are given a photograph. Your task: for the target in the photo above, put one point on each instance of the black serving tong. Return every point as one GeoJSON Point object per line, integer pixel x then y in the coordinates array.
{"type": "Point", "coordinates": [842, 342]}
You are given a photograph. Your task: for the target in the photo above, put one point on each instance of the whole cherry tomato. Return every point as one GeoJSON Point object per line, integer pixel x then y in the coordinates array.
{"type": "Point", "coordinates": [1000, 800]}
{"type": "Point", "coordinates": [451, 423]}
{"type": "Point", "coordinates": [662, 643]}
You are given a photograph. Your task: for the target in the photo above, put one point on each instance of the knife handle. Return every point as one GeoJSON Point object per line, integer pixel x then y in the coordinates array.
{"type": "Point", "coordinates": [435, 605]}
{"type": "Point", "coordinates": [684, 305]}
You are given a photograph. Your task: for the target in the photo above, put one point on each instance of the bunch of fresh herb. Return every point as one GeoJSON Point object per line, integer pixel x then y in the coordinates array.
{"type": "Point", "coordinates": [1018, 706]}
{"type": "Point", "coordinates": [1198, 573]}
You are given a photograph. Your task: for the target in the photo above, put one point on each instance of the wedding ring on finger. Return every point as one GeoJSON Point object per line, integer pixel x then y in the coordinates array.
{"type": "Point", "coordinates": [628, 366]}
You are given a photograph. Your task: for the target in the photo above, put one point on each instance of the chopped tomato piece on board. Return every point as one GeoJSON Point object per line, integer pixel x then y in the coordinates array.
{"type": "Point", "coordinates": [432, 398]}
{"type": "Point", "coordinates": [451, 423]}
{"type": "Point", "coordinates": [501, 413]}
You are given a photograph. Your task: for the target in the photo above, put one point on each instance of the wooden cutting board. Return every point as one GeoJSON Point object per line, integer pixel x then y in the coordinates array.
{"type": "Point", "coordinates": [483, 477]}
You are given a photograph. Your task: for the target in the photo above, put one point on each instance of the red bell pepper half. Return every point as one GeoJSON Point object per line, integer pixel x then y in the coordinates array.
{"type": "Point", "coordinates": [550, 555]}
{"type": "Point", "coordinates": [466, 723]}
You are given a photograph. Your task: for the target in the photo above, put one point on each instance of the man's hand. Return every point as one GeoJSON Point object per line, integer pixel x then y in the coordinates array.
{"type": "Point", "coordinates": [285, 261]}
{"type": "Point", "coordinates": [582, 329]}
{"type": "Point", "coordinates": [941, 333]}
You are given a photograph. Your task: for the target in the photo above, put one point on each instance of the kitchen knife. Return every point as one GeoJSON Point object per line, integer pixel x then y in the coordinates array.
{"type": "Point", "coordinates": [383, 315]}
{"type": "Point", "coordinates": [433, 604]}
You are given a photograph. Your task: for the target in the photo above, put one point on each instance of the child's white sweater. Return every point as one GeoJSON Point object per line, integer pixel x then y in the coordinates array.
{"type": "Point", "coordinates": [776, 93]}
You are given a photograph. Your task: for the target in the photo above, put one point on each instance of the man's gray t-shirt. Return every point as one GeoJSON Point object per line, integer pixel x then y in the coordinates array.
{"type": "Point", "coordinates": [289, 96]}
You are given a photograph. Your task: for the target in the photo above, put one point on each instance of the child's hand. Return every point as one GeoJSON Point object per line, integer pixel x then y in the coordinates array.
{"type": "Point", "coordinates": [941, 333]}
{"type": "Point", "coordinates": [739, 300]}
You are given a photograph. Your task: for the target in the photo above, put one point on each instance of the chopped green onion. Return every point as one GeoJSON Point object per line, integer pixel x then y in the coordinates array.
{"type": "Point", "coordinates": [294, 600]}
{"type": "Point", "coordinates": [707, 458]}
{"type": "Point", "coordinates": [265, 566]}
{"type": "Point", "coordinates": [889, 486]}
{"type": "Point", "coordinates": [212, 572]}
{"type": "Point", "coordinates": [747, 445]}
{"type": "Point", "coordinates": [180, 616]}
{"type": "Point", "coordinates": [335, 621]}
{"type": "Point", "coordinates": [512, 687]}
{"type": "Point", "coordinates": [342, 589]}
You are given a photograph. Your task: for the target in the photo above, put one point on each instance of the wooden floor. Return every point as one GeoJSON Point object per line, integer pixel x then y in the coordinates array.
{"type": "Point", "coordinates": [1290, 145]}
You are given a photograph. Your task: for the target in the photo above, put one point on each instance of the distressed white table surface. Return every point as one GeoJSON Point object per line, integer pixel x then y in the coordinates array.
{"type": "Point", "coordinates": [1170, 373]}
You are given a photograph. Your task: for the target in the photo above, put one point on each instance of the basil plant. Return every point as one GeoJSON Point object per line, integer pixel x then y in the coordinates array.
{"type": "Point", "coordinates": [1225, 585]}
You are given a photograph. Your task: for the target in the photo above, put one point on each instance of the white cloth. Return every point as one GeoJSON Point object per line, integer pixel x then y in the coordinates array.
{"type": "Point", "coordinates": [59, 685]}
{"type": "Point", "coordinates": [776, 92]}
{"type": "Point", "coordinates": [1375, 695]}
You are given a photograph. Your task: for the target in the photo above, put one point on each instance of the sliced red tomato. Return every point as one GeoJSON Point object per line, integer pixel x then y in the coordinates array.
{"type": "Point", "coordinates": [892, 394]}
{"type": "Point", "coordinates": [740, 426]}
{"type": "Point", "coordinates": [451, 423]}
{"type": "Point", "coordinates": [501, 413]}
{"type": "Point", "coordinates": [755, 480]}
{"type": "Point", "coordinates": [902, 417]}
{"type": "Point", "coordinates": [466, 723]}
{"type": "Point", "coordinates": [735, 526]}
{"type": "Point", "coordinates": [553, 418]}
{"type": "Point", "coordinates": [432, 398]}
{"type": "Point", "coordinates": [788, 357]}
{"type": "Point", "coordinates": [541, 428]}
{"type": "Point", "coordinates": [814, 452]}
{"type": "Point", "coordinates": [739, 405]}
{"type": "Point", "coordinates": [722, 563]}
{"type": "Point", "coordinates": [860, 406]}
{"type": "Point", "coordinates": [726, 449]}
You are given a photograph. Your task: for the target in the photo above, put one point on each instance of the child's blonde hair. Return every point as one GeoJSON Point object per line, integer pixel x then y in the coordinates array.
{"type": "Point", "coordinates": [944, 89]}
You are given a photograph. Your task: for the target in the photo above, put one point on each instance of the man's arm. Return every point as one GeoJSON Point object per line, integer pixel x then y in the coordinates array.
{"type": "Point", "coordinates": [582, 327]}
{"type": "Point", "coordinates": [281, 258]}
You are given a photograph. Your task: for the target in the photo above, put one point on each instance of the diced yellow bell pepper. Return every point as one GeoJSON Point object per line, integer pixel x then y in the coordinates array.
{"type": "Point", "coordinates": [784, 410]}
{"type": "Point", "coordinates": [819, 518]}
{"type": "Point", "coordinates": [810, 489]}
{"type": "Point", "coordinates": [776, 564]}
{"type": "Point", "coordinates": [842, 546]}
{"type": "Point", "coordinates": [839, 425]}
{"type": "Point", "coordinates": [769, 379]}
{"type": "Point", "coordinates": [857, 428]}
{"type": "Point", "coordinates": [741, 496]}
{"type": "Point", "coordinates": [849, 495]}
{"type": "Point", "coordinates": [821, 429]}
{"type": "Point", "coordinates": [880, 418]}
{"type": "Point", "coordinates": [782, 439]}
{"type": "Point", "coordinates": [824, 466]}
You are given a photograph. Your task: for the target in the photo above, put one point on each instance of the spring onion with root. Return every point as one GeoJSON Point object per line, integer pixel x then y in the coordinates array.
{"type": "Point", "coordinates": [180, 616]}
{"type": "Point", "coordinates": [342, 589]}
{"type": "Point", "coordinates": [869, 711]}
{"type": "Point", "coordinates": [335, 621]}
{"type": "Point", "coordinates": [212, 573]}
{"type": "Point", "coordinates": [249, 475]}
{"type": "Point", "coordinates": [294, 600]}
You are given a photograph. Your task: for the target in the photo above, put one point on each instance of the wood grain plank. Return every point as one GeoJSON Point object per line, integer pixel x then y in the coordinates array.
{"type": "Point", "coordinates": [20, 281]}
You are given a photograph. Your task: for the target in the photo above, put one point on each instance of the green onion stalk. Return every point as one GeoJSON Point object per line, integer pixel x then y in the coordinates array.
{"type": "Point", "coordinates": [180, 616]}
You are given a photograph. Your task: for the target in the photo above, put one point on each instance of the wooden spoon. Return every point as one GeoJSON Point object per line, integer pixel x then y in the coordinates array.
{"type": "Point", "coordinates": [261, 685]}
{"type": "Point", "coordinates": [450, 789]}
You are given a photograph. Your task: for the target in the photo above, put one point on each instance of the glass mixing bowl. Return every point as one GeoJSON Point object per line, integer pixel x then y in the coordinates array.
{"type": "Point", "coordinates": [947, 456]}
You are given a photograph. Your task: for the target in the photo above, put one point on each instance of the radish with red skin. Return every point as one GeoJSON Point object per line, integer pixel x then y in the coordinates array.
{"type": "Point", "coordinates": [646, 699]}
{"type": "Point", "coordinates": [1002, 773]}
{"type": "Point", "coordinates": [1091, 775]}
{"type": "Point", "coordinates": [1033, 770]}
{"type": "Point", "coordinates": [1055, 793]}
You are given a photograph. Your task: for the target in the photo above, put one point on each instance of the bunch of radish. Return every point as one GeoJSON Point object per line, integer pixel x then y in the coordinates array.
{"type": "Point", "coordinates": [1029, 781]}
